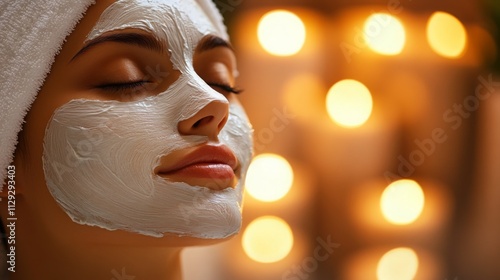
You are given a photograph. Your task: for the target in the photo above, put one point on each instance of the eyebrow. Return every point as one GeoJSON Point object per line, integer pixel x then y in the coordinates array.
{"type": "Point", "coordinates": [211, 42]}
{"type": "Point", "coordinates": [142, 40]}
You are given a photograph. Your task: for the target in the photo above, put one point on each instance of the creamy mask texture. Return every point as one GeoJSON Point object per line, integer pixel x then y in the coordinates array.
{"type": "Point", "coordinates": [100, 156]}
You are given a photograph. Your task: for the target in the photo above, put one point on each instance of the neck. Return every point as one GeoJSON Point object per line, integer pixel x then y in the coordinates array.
{"type": "Point", "coordinates": [95, 262]}
{"type": "Point", "coordinates": [99, 262]}
{"type": "Point", "coordinates": [41, 254]}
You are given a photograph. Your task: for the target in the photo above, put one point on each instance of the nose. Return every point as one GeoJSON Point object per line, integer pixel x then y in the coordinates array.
{"type": "Point", "coordinates": [209, 121]}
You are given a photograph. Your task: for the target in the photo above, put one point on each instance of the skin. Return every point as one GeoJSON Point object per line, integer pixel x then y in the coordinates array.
{"type": "Point", "coordinates": [48, 244]}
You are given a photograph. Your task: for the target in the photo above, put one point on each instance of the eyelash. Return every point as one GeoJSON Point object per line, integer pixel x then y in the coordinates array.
{"type": "Point", "coordinates": [117, 87]}
{"type": "Point", "coordinates": [123, 86]}
{"type": "Point", "coordinates": [226, 88]}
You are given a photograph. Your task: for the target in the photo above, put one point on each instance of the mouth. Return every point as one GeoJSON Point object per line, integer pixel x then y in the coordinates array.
{"type": "Point", "coordinates": [214, 167]}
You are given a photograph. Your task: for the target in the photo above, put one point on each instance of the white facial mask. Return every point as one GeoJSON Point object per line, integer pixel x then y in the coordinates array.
{"type": "Point", "coordinates": [100, 156]}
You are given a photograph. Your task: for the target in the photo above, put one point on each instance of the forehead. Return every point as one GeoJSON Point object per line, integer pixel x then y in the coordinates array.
{"type": "Point", "coordinates": [169, 20]}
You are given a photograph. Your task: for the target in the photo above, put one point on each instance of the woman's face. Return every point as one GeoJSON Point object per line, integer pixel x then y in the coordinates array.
{"type": "Point", "coordinates": [137, 128]}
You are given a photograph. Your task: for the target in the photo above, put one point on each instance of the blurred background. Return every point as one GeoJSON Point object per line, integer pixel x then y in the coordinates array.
{"type": "Point", "coordinates": [377, 141]}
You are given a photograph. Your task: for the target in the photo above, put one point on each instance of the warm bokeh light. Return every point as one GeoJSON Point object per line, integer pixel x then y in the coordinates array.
{"type": "Point", "coordinates": [398, 264]}
{"type": "Point", "coordinates": [384, 34]}
{"type": "Point", "coordinates": [281, 33]}
{"type": "Point", "coordinates": [349, 103]}
{"type": "Point", "coordinates": [446, 35]}
{"type": "Point", "coordinates": [269, 177]}
{"type": "Point", "coordinates": [267, 239]}
{"type": "Point", "coordinates": [402, 202]}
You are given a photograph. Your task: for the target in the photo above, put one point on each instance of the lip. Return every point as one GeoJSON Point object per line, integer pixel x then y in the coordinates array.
{"type": "Point", "coordinates": [214, 167]}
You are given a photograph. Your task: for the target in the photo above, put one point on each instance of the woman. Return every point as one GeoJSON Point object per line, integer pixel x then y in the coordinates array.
{"type": "Point", "coordinates": [135, 145]}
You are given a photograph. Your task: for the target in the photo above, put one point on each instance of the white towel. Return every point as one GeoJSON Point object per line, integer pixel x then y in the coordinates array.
{"type": "Point", "coordinates": [31, 34]}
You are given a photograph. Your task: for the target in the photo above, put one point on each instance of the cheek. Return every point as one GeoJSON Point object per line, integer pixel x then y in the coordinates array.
{"type": "Point", "coordinates": [238, 134]}
{"type": "Point", "coordinates": [110, 140]}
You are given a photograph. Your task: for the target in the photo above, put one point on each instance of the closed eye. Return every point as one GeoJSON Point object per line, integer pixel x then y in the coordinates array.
{"type": "Point", "coordinates": [124, 86]}
{"type": "Point", "coordinates": [225, 87]}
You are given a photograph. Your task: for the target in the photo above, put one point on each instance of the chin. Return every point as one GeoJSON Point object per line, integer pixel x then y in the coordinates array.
{"type": "Point", "coordinates": [103, 237]}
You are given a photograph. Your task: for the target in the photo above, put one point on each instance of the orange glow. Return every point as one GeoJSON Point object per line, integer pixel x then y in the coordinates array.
{"type": "Point", "coordinates": [349, 103]}
{"type": "Point", "coordinates": [446, 35]}
{"type": "Point", "coordinates": [398, 264]}
{"type": "Point", "coordinates": [384, 34]}
{"type": "Point", "coordinates": [281, 33]}
{"type": "Point", "coordinates": [267, 239]}
{"type": "Point", "coordinates": [402, 202]}
{"type": "Point", "coordinates": [269, 177]}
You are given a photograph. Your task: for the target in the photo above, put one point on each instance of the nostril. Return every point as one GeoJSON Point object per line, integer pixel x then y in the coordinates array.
{"type": "Point", "coordinates": [222, 123]}
{"type": "Point", "coordinates": [209, 121]}
{"type": "Point", "coordinates": [203, 121]}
